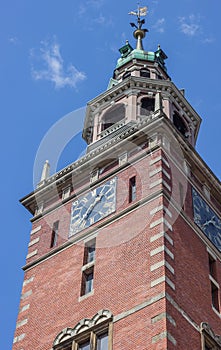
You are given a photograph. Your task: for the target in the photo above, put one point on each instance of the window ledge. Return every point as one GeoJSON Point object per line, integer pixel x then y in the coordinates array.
{"type": "Point", "coordinates": [88, 266]}
{"type": "Point", "coordinates": [214, 281]}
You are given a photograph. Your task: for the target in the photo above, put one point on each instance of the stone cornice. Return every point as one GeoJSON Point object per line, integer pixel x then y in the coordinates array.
{"type": "Point", "coordinates": [146, 126]}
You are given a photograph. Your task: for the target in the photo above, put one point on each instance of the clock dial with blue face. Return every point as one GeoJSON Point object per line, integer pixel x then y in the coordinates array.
{"type": "Point", "coordinates": [207, 220]}
{"type": "Point", "coordinates": [93, 206]}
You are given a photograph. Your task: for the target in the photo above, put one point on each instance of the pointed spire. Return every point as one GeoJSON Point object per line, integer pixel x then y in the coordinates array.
{"type": "Point", "coordinates": [139, 33]}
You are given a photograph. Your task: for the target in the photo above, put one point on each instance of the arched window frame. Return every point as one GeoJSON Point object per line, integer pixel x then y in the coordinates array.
{"type": "Point", "coordinates": [105, 125]}
{"type": "Point", "coordinates": [145, 72]}
{"type": "Point", "coordinates": [87, 330]}
{"type": "Point", "coordinates": [141, 109]}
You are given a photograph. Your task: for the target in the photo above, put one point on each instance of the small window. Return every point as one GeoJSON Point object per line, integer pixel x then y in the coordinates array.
{"type": "Point", "coordinates": [89, 252]}
{"type": "Point", "coordinates": [181, 194]}
{"type": "Point", "coordinates": [132, 189]}
{"type": "Point", "coordinates": [215, 296]}
{"type": "Point", "coordinates": [212, 266]}
{"type": "Point", "coordinates": [66, 192]}
{"type": "Point", "coordinates": [54, 235]}
{"type": "Point", "coordinates": [145, 73]}
{"type": "Point", "coordinates": [179, 124]}
{"type": "Point", "coordinates": [87, 281]}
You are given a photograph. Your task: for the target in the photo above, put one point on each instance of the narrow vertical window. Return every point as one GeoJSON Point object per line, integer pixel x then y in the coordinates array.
{"type": "Point", "coordinates": [54, 235]}
{"type": "Point", "coordinates": [212, 266]}
{"type": "Point", "coordinates": [215, 296]}
{"type": "Point", "coordinates": [88, 267]}
{"type": "Point", "coordinates": [87, 281]}
{"type": "Point", "coordinates": [181, 195]}
{"type": "Point", "coordinates": [89, 252]}
{"type": "Point", "coordinates": [132, 189]}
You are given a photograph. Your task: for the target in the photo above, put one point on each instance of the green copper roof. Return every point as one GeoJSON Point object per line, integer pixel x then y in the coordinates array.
{"type": "Point", "coordinates": [128, 54]}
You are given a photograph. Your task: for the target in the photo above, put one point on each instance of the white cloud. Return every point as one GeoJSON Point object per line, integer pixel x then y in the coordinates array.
{"type": "Point", "coordinates": [159, 25]}
{"type": "Point", "coordinates": [13, 40]}
{"type": "Point", "coordinates": [53, 67]}
{"type": "Point", "coordinates": [88, 5]}
{"type": "Point", "coordinates": [208, 40]}
{"type": "Point", "coordinates": [190, 25]}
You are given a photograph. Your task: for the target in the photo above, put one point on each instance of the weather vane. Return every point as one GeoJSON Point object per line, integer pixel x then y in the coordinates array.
{"type": "Point", "coordinates": [139, 33]}
{"type": "Point", "coordinates": [141, 12]}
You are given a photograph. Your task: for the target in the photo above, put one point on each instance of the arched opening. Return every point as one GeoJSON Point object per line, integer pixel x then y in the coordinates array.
{"type": "Point", "coordinates": [147, 105]}
{"type": "Point", "coordinates": [113, 115]}
{"type": "Point", "coordinates": [145, 73]}
{"type": "Point", "coordinates": [179, 124]}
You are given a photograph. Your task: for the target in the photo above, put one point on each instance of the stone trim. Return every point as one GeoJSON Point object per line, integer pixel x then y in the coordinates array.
{"type": "Point", "coordinates": [160, 235]}
{"type": "Point", "coordinates": [30, 255]}
{"type": "Point", "coordinates": [31, 279]}
{"type": "Point", "coordinates": [164, 335]}
{"type": "Point", "coordinates": [84, 325]}
{"type": "Point", "coordinates": [24, 308]}
{"type": "Point", "coordinates": [35, 230]}
{"type": "Point", "coordinates": [26, 295]}
{"type": "Point", "coordinates": [36, 240]}
{"type": "Point", "coordinates": [162, 316]}
{"type": "Point", "coordinates": [162, 280]}
{"type": "Point", "coordinates": [19, 338]}
{"type": "Point", "coordinates": [182, 312]}
{"type": "Point", "coordinates": [21, 323]}
{"type": "Point", "coordinates": [139, 307]}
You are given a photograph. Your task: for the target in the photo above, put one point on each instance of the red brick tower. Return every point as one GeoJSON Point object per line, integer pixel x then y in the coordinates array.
{"type": "Point", "coordinates": [125, 249]}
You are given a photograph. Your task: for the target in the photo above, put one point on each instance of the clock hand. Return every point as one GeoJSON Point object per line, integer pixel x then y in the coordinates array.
{"type": "Point", "coordinates": [91, 207]}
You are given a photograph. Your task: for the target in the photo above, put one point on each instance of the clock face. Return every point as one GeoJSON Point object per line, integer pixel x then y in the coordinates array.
{"type": "Point", "coordinates": [93, 206]}
{"type": "Point", "coordinates": [207, 220]}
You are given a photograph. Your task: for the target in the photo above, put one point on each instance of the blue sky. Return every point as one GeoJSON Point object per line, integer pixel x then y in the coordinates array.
{"type": "Point", "coordinates": [56, 56]}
